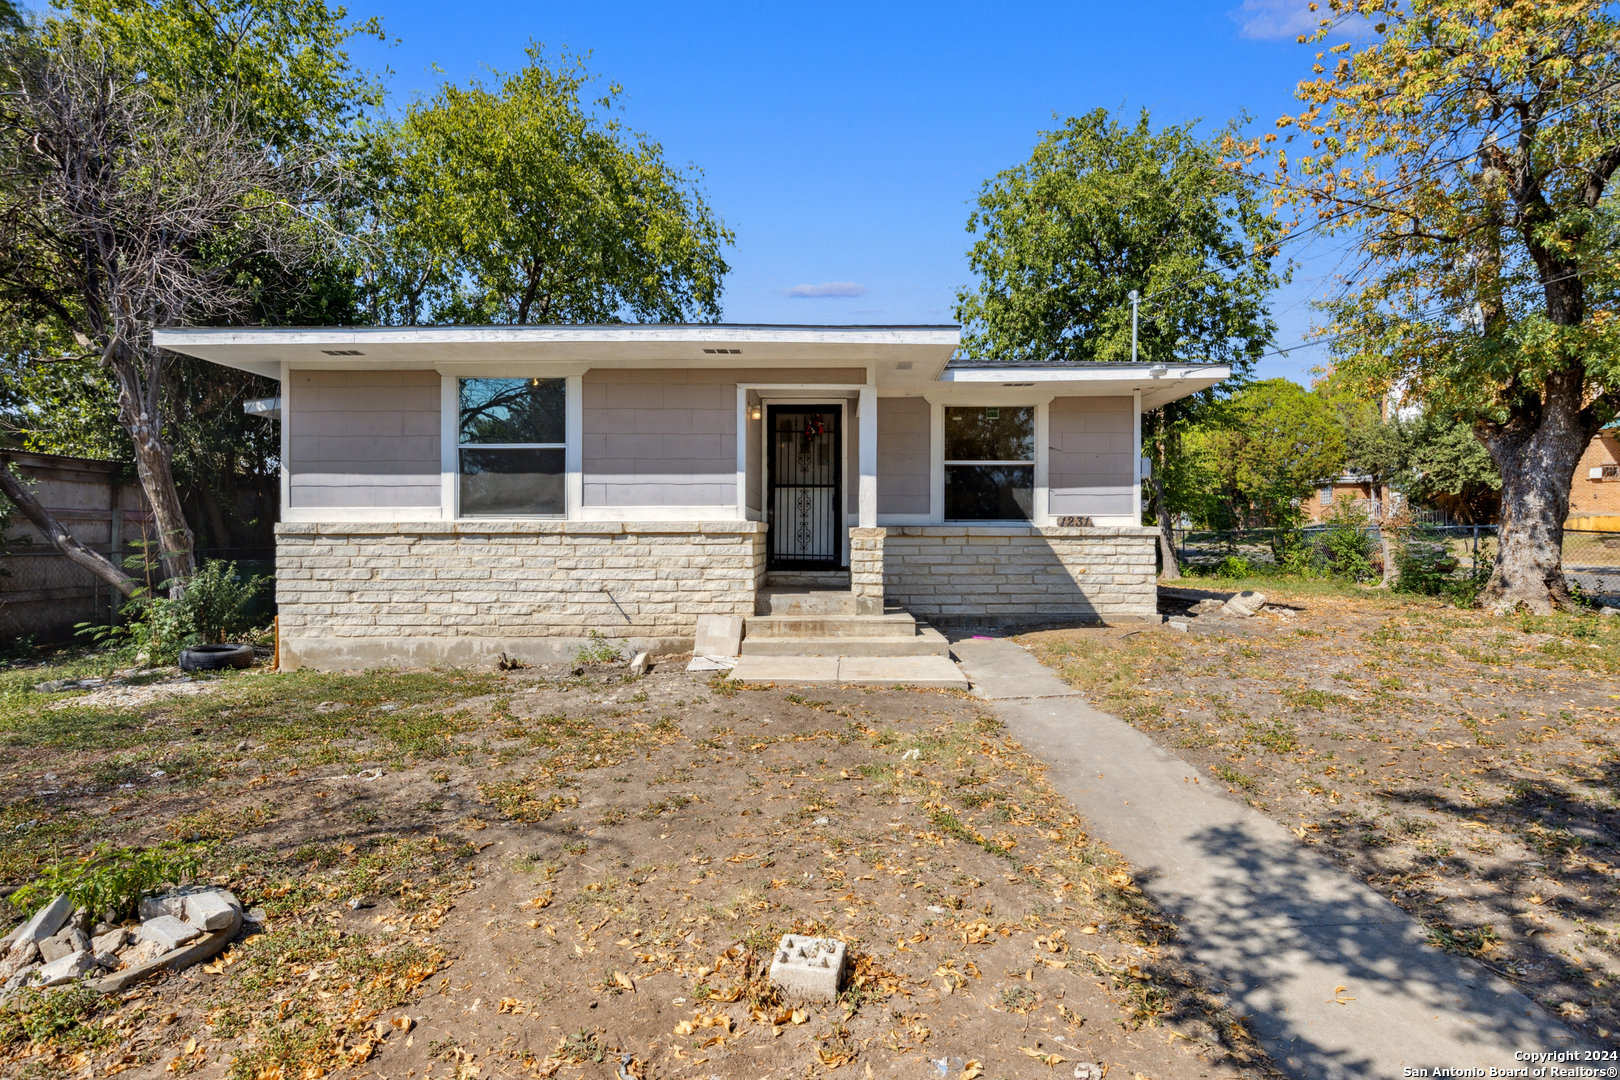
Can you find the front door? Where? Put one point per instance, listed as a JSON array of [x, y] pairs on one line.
[[806, 488]]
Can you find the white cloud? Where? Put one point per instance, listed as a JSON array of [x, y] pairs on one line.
[[827, 289], [1278, 20]]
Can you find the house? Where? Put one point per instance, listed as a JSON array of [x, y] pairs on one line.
[[1350, 488], [1594, 496], [450, 493]]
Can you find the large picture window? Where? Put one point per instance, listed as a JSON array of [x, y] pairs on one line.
[[989, 463], [513, 447]]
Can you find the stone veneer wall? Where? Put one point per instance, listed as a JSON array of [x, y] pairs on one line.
[[364, 594], [866, 569], [965, 574]]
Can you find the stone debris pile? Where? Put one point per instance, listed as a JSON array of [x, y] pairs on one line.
[[173, 931], [1244, 605]]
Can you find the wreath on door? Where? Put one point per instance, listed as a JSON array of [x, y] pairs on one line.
[[814, 426]]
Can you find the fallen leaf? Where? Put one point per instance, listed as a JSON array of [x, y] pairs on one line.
[[972, 1071], [620, 979]]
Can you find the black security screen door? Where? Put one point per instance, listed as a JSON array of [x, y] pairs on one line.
[[806, 488]]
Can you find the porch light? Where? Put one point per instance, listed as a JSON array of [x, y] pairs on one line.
[[754, 412]]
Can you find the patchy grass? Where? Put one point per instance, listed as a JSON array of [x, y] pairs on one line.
[[1464, 765], [535, 873]]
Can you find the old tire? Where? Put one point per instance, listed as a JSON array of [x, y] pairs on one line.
[[216, 657]]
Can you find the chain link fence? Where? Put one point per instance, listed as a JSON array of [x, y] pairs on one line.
[[46, 595], [1591, 559]]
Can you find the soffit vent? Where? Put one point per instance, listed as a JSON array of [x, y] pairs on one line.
[[343, 352], [904, 365], [733, 352]]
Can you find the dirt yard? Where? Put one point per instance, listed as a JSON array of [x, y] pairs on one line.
[[537, 873], [1463, 765]]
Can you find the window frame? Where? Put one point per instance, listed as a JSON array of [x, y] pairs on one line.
[[451, 446], [1034, 464]]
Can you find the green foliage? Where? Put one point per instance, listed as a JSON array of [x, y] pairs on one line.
[[1233, 567], [111, 879], [216, 599], [58, 1017], [1426, 565], [1347, 545], [517, 204], [1098, 210], [1450, 469], [1101, 209], [281, 66], [215, 604], [1263, 451], [598, 650]]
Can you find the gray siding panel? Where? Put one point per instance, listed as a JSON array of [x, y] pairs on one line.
[[668, 437], [1091, 469], [660, 438], [904, 475], [363, 438]]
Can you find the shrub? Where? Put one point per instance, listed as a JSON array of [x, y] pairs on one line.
[[1425, 565], [110, 879], [214, 602], [1234, 566], [1346, 544]]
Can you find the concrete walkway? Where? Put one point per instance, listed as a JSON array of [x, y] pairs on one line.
[[1337, 981]]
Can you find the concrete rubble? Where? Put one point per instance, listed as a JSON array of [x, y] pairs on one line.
[[172, 931]]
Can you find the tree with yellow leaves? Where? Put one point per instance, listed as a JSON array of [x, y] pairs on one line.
[[1468, 146]]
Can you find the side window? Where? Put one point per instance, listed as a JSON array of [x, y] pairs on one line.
[[512, 452]]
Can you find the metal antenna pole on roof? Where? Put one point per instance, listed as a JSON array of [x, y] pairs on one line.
[[1136, 299]]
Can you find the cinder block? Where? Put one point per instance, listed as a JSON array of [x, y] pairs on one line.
[[809, 968]]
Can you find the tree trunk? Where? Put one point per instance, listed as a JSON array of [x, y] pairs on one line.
[[1167, 536], [1536, 451], [62, 540], [139, 412], [1384, 553]]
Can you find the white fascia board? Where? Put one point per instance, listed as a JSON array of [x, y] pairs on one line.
[[1175, 381], [635, 345], [1135, 374]]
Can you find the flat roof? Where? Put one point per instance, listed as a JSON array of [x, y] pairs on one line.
[[906, 359]]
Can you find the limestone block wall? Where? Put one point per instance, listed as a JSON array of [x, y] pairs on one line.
[[967, 574], [361, 594], [866, 569]]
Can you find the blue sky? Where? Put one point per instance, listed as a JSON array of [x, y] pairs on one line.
[[845, 143]]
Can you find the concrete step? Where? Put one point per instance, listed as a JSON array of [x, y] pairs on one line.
[[926, 642], [807, 579], [895, 624], [782, 600], [923, 672]]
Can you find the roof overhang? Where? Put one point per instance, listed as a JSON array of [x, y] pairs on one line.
[[907, 360], [262, 350], [1158, 384]]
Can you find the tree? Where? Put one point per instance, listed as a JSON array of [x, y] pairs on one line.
[[1469, 149], [518, 205], [1448, 468], [1267, 448], [122, 211], [1100, 210], [1377, 446], [273, 77]]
